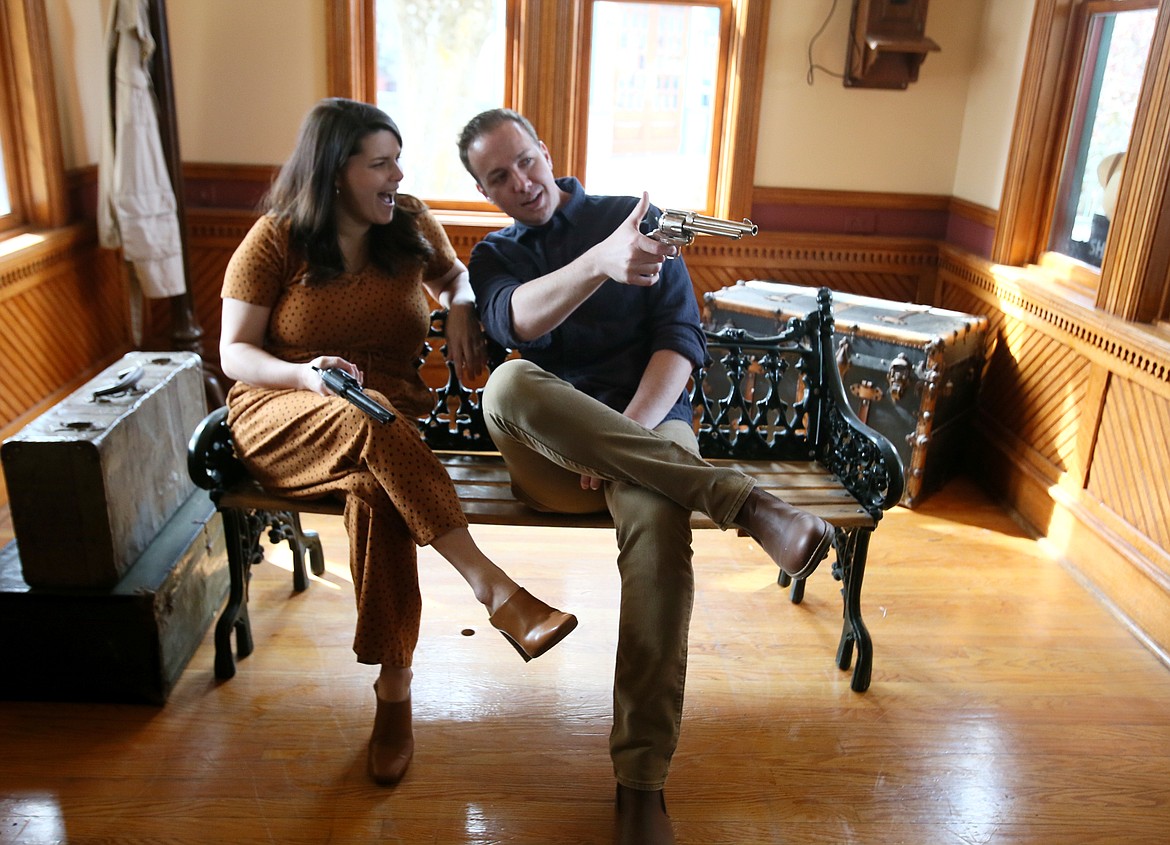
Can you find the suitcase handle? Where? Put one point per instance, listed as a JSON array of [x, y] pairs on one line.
[[127, 379]]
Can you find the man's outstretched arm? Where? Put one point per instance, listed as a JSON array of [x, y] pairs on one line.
[[627, 256]]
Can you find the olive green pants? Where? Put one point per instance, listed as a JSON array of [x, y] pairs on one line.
[[550, 434]]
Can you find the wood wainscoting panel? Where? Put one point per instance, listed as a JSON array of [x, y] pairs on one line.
[[62, 318], [1073, 419], [888, 268], [1033, 391], [901, 269], [851, 212], [213, 235], [1131, 463]]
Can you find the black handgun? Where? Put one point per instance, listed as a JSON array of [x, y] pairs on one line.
[[347, 387]]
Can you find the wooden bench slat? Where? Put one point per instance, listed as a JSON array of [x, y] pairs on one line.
[[249, 496], [490, 467], [484, 486], [801, 496], [501, 512]]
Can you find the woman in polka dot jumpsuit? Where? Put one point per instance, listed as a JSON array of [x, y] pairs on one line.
[[334, 276]]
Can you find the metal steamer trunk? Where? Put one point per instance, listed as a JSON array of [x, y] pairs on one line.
[[119, 563], [93, 479], [911, 372]]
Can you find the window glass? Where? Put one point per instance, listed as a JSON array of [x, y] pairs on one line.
[[653, 83], [438, 63], [5, 202], [7, 170], [1117, 47]]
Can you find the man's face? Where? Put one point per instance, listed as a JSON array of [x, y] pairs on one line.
[[514, 171]]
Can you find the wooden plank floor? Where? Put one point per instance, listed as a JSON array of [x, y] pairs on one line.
[[1007, 706]]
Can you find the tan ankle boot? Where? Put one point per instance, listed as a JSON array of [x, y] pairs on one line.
[[392, 741]]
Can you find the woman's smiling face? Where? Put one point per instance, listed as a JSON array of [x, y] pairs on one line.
[[369, 181]]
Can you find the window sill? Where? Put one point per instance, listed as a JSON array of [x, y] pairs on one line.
[[18, 241], [1071, 309], [23, 250], [489, 221], [1080, 280]]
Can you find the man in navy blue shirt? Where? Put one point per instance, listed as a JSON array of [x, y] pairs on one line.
[[595, 417]]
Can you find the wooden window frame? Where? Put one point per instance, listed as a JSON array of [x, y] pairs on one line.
[[36, 178], [9, 149], [1134, 281], [549, 56]]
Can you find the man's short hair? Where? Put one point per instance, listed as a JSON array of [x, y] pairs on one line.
[[485, 122]]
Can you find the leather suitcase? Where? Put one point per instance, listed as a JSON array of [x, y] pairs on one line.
[[128, 643], [910, 371], [93, 479]]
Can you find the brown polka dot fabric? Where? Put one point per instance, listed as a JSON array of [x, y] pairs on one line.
[[300, 444]]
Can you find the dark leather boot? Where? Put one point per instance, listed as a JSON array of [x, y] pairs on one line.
[[796, 540], [641, 818]]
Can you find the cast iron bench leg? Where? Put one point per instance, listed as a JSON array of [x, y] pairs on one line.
[[241, 538], [286, 526], [852, 549]]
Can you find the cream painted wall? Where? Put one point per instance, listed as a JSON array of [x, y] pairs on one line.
[[245, 74], [991, 102], [78, 44], [828, 136]]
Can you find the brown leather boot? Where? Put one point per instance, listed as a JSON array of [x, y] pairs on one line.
[[796, 540], [392, 741], [641, 818], [530, 625]]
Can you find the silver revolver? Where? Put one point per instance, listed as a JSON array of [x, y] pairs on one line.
[[680, 227]]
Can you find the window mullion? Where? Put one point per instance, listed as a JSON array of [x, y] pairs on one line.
[[741, 113], [1135, 274], [547, 82], [350, 49], [1036, 137]]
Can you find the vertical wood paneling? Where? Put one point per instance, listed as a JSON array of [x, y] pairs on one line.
[[57, 325], [1067, 389], [1131, 464], [207, 269], [212, 238], [1035, 388]]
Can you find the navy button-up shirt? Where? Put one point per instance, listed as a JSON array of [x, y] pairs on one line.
[[604, 346]]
